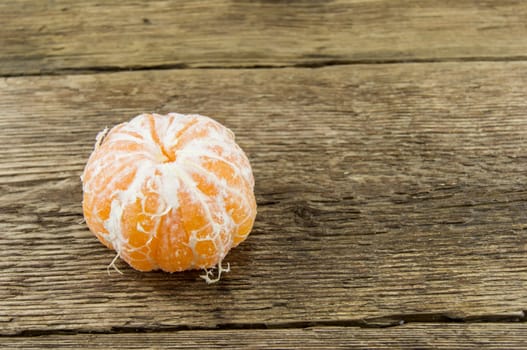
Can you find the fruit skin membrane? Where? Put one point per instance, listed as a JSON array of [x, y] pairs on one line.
[[171, 192]]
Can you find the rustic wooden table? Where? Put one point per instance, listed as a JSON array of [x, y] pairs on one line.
[[389, 145]]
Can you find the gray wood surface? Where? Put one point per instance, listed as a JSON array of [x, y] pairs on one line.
[[411, 336], [388, 143], [386, 193], [66, 36]]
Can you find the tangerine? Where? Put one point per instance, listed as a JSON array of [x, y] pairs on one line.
[[171, 192]]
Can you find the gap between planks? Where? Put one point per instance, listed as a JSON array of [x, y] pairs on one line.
[[377, 322], [308, 65], [414, 336]]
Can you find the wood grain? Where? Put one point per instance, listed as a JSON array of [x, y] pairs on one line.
[[386, 193], [411, 336], [60, 36]]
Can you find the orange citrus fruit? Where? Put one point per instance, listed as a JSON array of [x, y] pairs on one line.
[[171, 192]]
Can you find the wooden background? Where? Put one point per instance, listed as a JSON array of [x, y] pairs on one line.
[[389, 145]]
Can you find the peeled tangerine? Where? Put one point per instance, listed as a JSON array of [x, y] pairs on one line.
[[171, 192]]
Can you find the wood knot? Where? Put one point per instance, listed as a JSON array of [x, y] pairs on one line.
[[306, 214]]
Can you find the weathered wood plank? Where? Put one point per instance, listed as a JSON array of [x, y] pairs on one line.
[[383, 191], [411, 336], [51, 36]]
